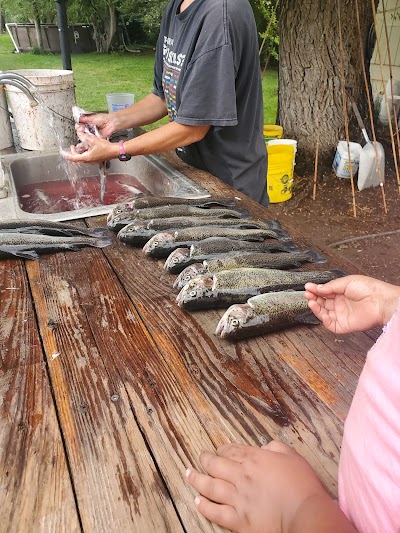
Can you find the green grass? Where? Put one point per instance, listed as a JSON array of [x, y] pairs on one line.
[[98, 74]]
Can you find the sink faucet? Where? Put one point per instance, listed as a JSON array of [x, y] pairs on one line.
[[22, 83]]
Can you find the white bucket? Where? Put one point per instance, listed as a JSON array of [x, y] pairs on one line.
[[341, 162], [48, 125], [6, 137], [117, 101]]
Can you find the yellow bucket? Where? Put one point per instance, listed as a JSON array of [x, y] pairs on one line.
[[281, 159], [272, 131]]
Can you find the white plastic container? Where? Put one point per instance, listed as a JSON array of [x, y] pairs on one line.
[[6, 137], [371, 171], [341, 162], [117, 101], [48, 125]]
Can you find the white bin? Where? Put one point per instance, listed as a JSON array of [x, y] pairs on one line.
[[48, 125], [341, 162]]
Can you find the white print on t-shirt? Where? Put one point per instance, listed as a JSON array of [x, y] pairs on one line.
[[171, 57]]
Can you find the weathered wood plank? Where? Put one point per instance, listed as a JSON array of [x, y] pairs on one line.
[[35, 487], [116, 482], [248, 400]]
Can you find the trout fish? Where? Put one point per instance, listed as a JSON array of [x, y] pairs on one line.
[[180, 258], [29, 246], [232, 286], [265, 313], [153, 201], [138, 232], [162, 244], [117, 222], [47, 227], [234, 260]]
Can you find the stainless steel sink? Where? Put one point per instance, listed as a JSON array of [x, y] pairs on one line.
[[36, 183]]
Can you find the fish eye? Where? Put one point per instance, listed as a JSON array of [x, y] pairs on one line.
[[175, 260], [187, 278], [192, 293], [234, 321], [155, 243]]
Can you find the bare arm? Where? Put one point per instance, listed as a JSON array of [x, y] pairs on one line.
[[148, 110], [162, 139]]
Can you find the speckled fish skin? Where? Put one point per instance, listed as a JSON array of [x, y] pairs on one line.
[[29, 246], [270, 279], [169, 211], [138, 232], [190, 272], [199, 294], [219, 245], [199, 234], [154, 201], [47, 227], [125, 217], [265, 313], [191, 222], [181, 258], [233, 260], [162, 244]]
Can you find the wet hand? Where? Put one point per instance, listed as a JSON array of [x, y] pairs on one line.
[[105, 123], [91, 149], [254, 490]]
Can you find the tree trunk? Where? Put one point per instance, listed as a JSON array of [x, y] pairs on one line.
[[2, 22], [311, 67], [104, 30], [38, 29]]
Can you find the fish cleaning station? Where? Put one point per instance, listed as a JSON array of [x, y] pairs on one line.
[[115, 375]]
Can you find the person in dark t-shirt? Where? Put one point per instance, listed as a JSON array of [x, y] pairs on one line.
[[207, 79]]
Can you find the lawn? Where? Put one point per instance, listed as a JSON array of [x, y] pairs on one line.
[[98, 74]]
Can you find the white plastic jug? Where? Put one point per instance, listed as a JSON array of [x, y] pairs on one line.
[[372, 166], [341, 163]]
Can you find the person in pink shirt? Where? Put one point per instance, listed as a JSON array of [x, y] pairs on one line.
[[273, 489]]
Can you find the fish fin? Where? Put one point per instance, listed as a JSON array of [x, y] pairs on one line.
[[23, 254], [307, 317], [102, 242]]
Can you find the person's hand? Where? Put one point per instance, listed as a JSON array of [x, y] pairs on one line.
[[106, 123], [263, 490], [91, 149], [352, 303]]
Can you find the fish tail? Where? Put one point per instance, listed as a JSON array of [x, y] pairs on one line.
[[339, 273], [315, 257], [102, 242], [282, 234], [274, 224]]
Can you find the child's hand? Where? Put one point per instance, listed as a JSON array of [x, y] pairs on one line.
[[262, 490], [352, 303]]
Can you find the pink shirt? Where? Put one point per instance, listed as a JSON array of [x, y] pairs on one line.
[[369, 469]]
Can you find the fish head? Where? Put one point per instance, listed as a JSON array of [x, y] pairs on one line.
[[192, 295], [130, 229], [234, 319], [176, 257], [118, 209], [188, 274], [157, 241]]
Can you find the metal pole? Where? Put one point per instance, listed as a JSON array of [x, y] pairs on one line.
[[62, 23]]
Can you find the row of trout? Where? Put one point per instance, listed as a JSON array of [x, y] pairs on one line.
[[224, 258]]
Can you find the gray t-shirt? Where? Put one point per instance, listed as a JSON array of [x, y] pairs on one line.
[[207, 70]]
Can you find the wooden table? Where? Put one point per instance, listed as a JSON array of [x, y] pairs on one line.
[[109, 391]]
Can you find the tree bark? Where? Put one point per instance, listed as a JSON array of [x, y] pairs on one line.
[[38, 29], [311, 67], [104, 30]]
